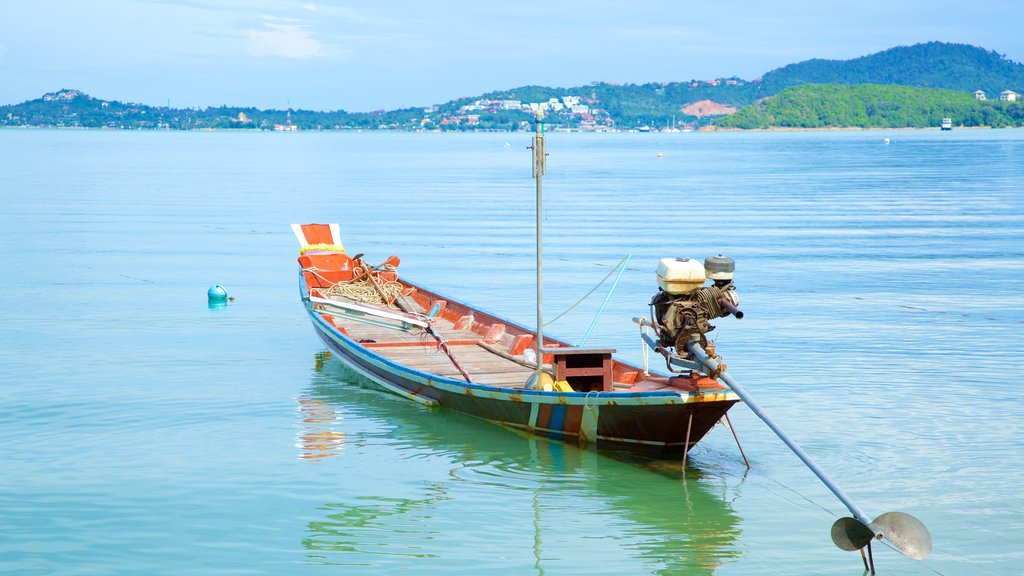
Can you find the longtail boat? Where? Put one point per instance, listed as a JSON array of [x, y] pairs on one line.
[[439, 351], [442, 352]]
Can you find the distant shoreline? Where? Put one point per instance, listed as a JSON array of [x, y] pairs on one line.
[[850, 129], [373, 131]]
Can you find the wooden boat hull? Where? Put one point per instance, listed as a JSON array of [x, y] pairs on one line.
[[669, 420]]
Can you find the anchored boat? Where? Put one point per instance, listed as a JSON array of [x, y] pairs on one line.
[[439, 351]]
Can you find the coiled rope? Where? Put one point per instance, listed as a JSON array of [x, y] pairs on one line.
[[362, 290]]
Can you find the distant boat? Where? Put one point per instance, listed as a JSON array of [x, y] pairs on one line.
[[947, 124]]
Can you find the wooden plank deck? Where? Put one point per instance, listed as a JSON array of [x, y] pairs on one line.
[[418, 350], [482, 366]]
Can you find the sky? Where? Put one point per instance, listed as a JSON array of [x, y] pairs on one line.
[[387, 54]]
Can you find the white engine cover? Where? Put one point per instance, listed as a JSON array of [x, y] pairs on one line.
[[680, 275]]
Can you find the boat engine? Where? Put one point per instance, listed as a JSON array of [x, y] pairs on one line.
[[684, 306]]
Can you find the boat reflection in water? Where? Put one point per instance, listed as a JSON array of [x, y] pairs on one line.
[[319, 439], [517, 501]]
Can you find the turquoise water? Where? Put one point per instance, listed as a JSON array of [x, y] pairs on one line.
[[142, 431]]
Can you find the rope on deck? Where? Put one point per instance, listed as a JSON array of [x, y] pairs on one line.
[[363, 291]]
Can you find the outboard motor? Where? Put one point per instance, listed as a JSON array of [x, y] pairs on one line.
[[684, 306]]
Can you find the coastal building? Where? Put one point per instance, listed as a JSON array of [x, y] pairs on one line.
[[570, 101], [979, 95], [1008, 96], [62, 95]]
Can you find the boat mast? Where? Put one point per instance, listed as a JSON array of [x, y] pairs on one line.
[[538, 173]]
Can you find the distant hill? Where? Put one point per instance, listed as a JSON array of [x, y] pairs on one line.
[[75, 109], [930, 65], [872, 106], [598, 106], [654, 104]]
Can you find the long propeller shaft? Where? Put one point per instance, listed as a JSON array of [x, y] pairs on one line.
[[907, 534], [699, 353]]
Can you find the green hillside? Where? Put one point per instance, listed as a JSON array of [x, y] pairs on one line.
[[872, 106], [930, 65], [604, 106], [72, 108]]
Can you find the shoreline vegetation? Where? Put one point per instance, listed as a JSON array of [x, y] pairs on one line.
[[873, 105], [706, 129], [904, 87], [853, 128]]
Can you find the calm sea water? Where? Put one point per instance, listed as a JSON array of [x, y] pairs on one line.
[[143, 432]]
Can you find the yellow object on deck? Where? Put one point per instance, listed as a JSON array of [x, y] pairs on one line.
[[547, 382], [321, 248], [562, 386]]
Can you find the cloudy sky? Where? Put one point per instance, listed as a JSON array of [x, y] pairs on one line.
[[361, 56]]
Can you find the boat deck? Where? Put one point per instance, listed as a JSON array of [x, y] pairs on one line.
[[419, 350], [487, 353]]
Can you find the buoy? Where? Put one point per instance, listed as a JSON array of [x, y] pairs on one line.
[[217, 292], [660, 155], [886, 141]]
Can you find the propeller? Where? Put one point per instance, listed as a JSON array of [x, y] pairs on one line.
[[850, 535], [905, 533]]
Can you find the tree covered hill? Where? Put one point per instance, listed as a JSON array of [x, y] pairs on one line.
[[601, 105], [73, 108], [929, 65], [872, 106]]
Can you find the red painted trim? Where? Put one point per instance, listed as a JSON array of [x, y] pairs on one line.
[[442, 306], [495, 332], [630, 377], [520, 344], [543, 415], [573, 419], [330, 320]]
